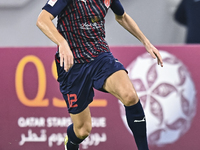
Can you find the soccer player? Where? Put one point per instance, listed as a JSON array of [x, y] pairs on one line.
[[84, 62]]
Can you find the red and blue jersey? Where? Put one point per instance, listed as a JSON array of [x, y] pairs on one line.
[[81, 23]]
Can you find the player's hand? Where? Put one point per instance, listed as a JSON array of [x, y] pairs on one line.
[[154, 53], [66, 57]]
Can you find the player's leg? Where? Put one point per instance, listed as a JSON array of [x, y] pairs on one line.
[[76, 87], [82, 123], [79, 130], [119, 85]]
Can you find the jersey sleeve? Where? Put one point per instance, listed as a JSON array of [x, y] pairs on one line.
[[117, 7], [54, 7]]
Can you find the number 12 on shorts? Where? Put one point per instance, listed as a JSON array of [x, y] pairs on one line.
[[72, 98]]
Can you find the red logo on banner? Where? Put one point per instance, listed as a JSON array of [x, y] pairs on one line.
[[107, 3]]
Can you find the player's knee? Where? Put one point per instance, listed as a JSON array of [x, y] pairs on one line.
[[130, 98], [84, 131]]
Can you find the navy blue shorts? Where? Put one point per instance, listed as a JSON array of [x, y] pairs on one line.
[[77, 84]]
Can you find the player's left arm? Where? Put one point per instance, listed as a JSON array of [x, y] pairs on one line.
[[130, 25]]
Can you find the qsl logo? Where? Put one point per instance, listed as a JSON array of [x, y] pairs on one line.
[[167, 94]]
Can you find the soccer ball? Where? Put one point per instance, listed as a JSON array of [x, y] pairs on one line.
[[167, 94]]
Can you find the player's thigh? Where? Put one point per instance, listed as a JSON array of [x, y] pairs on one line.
[[119, 85], [82, 122]]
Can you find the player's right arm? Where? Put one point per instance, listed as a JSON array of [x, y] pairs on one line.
[[45, 24]]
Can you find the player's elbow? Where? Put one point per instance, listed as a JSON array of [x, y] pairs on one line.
[[44, 18], [120, 18], [39, 22]]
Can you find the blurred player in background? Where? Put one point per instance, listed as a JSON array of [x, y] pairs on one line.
[[188, 14], [84, 62]]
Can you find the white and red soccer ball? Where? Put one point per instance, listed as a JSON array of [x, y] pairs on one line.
[[167, 94]]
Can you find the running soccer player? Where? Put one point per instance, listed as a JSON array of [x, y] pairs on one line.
[[84, 62]]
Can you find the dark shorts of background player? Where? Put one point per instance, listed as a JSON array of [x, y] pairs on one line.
[[77, 84]]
